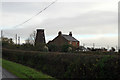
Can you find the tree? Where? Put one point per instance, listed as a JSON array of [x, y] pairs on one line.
[[52, 47], [41, 47], [66, 48], [31, 38], [112, 49], [27, 46], [7, 42]]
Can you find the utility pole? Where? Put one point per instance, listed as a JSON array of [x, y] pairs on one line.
[[93, 45], [1, 35], [116, 48], [16, 38], [108, 47]]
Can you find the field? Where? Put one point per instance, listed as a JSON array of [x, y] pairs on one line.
[[69, 65]]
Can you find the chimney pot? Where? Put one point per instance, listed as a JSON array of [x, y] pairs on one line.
[[70, 33], [59, 33]]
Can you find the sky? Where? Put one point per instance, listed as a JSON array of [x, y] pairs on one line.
[[91, 21]]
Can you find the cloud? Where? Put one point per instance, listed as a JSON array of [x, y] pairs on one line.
[[82, 18], [93, 22], [15, 13], [103, 41]]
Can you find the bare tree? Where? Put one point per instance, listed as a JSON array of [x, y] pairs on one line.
[[31, 38]]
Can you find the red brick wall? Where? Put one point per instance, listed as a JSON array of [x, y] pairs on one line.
[[78, 43], [59, 41], [73, 43]]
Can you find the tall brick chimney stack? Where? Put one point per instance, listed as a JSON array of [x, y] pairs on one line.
[[40, 37]]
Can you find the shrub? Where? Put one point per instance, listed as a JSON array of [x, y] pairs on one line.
[[67, 48], [40, 47], [61, 65], [52, 48]]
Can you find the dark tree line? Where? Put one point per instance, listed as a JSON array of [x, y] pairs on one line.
[[29, 45], [8, 43]]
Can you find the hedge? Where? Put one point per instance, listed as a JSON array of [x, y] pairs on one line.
[[68, 66]]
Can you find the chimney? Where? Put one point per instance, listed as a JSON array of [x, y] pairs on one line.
[[59, 33], [40, 37], [70, 33]]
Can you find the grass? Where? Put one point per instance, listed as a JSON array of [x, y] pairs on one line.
[[24, 72]]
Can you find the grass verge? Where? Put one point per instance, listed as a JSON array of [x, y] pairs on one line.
[[24, 72]]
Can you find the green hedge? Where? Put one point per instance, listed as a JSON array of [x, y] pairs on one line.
[[65, 65]]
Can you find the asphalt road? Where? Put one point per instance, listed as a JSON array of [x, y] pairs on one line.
[[6, 75]]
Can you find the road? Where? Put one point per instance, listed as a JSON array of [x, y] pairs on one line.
[[6, 75]]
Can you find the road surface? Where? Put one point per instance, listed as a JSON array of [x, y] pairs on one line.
[[6, 75]]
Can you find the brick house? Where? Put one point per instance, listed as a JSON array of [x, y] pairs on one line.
[[62, 39]]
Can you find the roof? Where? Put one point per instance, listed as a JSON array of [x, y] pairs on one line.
[[69, 38]]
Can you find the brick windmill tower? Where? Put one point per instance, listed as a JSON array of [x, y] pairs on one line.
[[40, 37]]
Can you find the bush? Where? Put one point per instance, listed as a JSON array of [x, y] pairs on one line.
[[67, 48], [61, 65], [40, 47], [52, 48]]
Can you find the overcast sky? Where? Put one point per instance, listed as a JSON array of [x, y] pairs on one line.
[[91, 21]]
